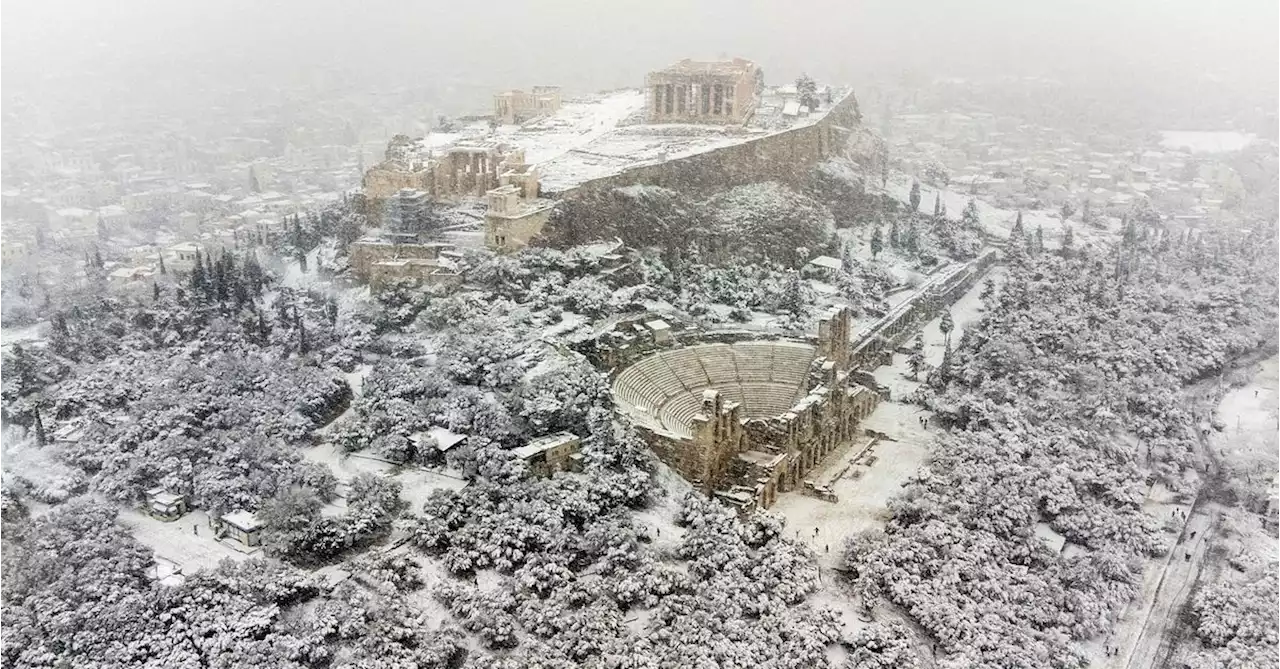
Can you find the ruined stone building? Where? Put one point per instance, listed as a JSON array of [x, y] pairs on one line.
[[703, 92], [379, 261], [516, 106], [748, 420], [467, 169]]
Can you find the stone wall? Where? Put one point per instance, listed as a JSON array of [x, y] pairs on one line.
[[364, 253], [785, 156]]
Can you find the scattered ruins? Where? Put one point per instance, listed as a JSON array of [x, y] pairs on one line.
[[381, 260], [517, 106], [698, 126]]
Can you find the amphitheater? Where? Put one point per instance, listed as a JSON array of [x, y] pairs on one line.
[[664, 392]]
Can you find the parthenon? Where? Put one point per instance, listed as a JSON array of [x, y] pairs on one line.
[[703, 92]]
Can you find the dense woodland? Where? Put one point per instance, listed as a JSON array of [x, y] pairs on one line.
[[1056, 403]]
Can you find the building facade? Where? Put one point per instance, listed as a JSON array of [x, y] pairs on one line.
[[703, 92], [516, 106]]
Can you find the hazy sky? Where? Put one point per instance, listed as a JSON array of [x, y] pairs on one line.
[[592, 44]]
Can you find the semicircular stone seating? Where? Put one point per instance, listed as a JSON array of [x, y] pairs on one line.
[[664, 390]]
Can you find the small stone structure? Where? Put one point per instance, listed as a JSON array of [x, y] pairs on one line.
[[165, 505], [551, 454], [381, 260], [516, 106], [243, 526], [703, 92], [512, 221]]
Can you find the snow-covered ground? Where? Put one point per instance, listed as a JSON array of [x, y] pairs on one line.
[[43, 467], [1252, 419], [1205, 141], [996, 221], [862, 500], [187, 542], [11, 336]]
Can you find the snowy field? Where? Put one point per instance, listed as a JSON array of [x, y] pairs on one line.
[[187, 542], [1250, 438], [995, 221], [1205, 142], [11, 336]]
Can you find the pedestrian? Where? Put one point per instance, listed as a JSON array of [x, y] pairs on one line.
[[659, 530], [815, 531], [196, 528], [1193, 535], [827, 548], [1187, 557]]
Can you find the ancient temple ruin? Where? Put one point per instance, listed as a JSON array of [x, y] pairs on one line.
[[703, 92]]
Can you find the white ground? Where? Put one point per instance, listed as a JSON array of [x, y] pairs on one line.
[[41, 466], [1169, 581], [996, 221], [11, 336], [178, 542], [862, 500], [1251, 416]]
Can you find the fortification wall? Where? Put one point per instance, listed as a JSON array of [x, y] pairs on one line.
[[784, 156]]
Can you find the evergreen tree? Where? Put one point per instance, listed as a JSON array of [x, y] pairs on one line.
[[937, 204], [302, 332], [877, 242], [794, 295], [1039, 242], [915, 196], [197, 275], [163, 270], [252, 271], [895, 235], [264, 329], [969, 219], [911, 239], [1017, 230], [283, 309], [1068, 241], [944, 370], [97, 258], [41, 438], [1017, 246], [331, 307], [807, 92], [916, 361], [946, 325], [155, 291], [1067, 210]]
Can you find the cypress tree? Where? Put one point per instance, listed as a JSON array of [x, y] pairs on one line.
[[41, 439], [302, 332]]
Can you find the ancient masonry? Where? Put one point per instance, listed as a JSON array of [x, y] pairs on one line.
[[704, 126], [746, 420]]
